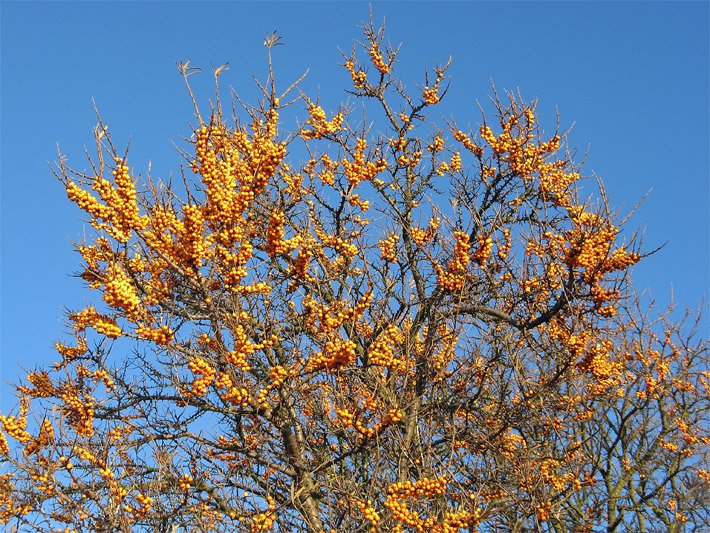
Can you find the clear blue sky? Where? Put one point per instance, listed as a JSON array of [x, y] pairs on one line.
[[632, 78]]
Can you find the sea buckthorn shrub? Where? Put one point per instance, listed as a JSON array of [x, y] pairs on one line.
[[346, 325]]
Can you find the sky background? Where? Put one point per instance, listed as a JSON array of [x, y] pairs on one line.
[[631, 77]]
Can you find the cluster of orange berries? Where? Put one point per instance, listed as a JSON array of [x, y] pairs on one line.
[[490, 495], [376, 57], [244, 348], [144, 505], [113, 228], [161, 336], [436, 145], [369, 513], [421, 236], [620, 259], [121, 210], [576, 344], [669, 446], [555, 182], [581, 217], [106, 473], [219, 165], [393, 416], [356, 201], [411, 160], [399, 144], [43, 384], [237, 396], [484, 249], [381, 351], [455, 163], [601, 295], [299, 269], [453, 278], [589, 249], [449, 281], [293, 182], [102, 375], [596, 361], [606, 373], [431, 94], [426, 487], [337, 354], [163, 222], [365, 431], [278, 375], [527, 158], [263, 395], [124, 203], [8, 508], [196, 246], [244, 198], [549, 471], [461, 251], [386, 247], [249, 160], [156, 290], [119, 432], [500, 144], [45, 437], [100, 251], [265, 157], [223, 381], [275, 243], [119, 492], [84, 454], [321, 126], [441, 359], [103, 325], [86, 201], [185, 482], [689, 436], [120, 293], [505, 247], [488, 172], [543, 511], [345, 248], [264, 521], [359, 169], [206, 373], [333, 316], [442, 169], [16, 426], [359, 77], [467, 143], [43, 481], [328, 169], [233, 266], [253, 288], [80, 412], [345, 416]]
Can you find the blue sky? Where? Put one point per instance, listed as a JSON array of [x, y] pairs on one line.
[[632, 77]]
